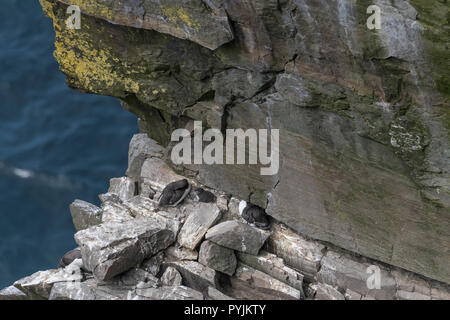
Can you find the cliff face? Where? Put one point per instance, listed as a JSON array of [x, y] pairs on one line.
[[363, 114]]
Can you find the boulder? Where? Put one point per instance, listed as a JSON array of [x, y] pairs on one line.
[[124, 187], [115, 212], [215, 294], [39, 285], [238, 236], [153, 264], [177, 253], [273, 266], [201, 217], [296, 251], [141, 148], [78, 291], [112, 248], [158, 173], [252, 284], [407, 295], [167, 293], [195, 275], [322, 291], [217, 257], [85, 214], [171, 277], [12, 293], [345, 272]]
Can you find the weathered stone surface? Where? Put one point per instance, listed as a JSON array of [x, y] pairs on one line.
[[407, 295], [12, 293], [238, 236], [109, 197], [215, 294], [168, 293], [202, 22], [370, 161], [115, 212], [78, 291], [195, 275], [296, 251], [217, 257], [179, 253], [409, 282], [339, 270], [85, 215], [124, 187], [352, 295], [171, 277], [39, 284], [249, 283], [133, 277], [273, 266], [322, 291], [158, 173], [153, 264], [112, 247], [440, 292], [202, 216], [141, 148]]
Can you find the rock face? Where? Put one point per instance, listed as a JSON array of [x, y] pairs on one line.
[[363, 114], [112, 248], [203, 216], [217, 257], [85, 215], [237, 236]]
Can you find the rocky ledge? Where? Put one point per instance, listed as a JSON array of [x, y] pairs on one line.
[[129, 249]]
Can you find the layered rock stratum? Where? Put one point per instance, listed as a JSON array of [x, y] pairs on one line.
[[364, 122]]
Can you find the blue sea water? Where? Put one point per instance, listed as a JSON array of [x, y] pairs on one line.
[[55, 144]]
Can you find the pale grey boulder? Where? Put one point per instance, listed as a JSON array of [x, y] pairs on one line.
[[124, 187], [296, 251], [177, 253], [273, 266], [167, 293], [115, 212], [109, 197], [238, 236], [322, 291], [343, 271], [217, 257], [85, 214], [12, 293], [202, 217], [214, 294], [112, 248], [252, 284], [195, 275], [407, 295], [141, 147], [171, 277], [78, 291], [39, 285]]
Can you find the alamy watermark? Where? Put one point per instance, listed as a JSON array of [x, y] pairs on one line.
[[234, 140], [374, 279], [374, 21], [74, 20]]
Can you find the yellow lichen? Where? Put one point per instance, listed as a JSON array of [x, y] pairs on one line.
[[179, 15]]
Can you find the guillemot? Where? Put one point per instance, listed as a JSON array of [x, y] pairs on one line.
[[69, 257], [203, 195], [254, 215], [174, 193]]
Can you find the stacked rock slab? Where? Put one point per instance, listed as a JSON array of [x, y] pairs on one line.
[[206, 251]]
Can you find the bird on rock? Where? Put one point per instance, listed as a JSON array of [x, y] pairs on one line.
[[174, 193], [203, 195], [254, 215], [69, 257]]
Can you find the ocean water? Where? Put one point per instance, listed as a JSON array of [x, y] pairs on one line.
[[55, 144]]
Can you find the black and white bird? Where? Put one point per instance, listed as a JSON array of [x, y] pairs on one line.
[[174, 193], [203, 195], [69, 257], [254, 215]]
